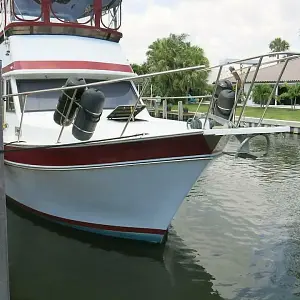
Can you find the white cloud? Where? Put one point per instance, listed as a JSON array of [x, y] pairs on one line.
[[231, 28]]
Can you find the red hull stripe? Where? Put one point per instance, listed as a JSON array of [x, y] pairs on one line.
[[69, 65], [91, 225], [190, 145]]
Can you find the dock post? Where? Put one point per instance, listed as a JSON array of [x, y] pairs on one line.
[[165, 109], [180, 111], [156, 110], [4, 277]]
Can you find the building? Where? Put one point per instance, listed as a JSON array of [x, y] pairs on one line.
[[270, 74]]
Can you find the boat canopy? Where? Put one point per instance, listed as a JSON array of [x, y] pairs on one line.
[[102, 15], [68, 9]]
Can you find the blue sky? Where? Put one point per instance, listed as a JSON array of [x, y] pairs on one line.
[[223, 28]]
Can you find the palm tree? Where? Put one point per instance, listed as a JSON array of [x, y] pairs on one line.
[[173, 52], [278, 45]]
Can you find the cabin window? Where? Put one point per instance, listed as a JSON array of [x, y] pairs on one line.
[[72, 11], [10, 106], [41, 101], [27, 10], [120, 93]]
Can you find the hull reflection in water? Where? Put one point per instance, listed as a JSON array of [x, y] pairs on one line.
[[51, 262]]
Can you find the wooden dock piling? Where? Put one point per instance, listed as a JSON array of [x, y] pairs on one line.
[[165, 109], [180, 111]]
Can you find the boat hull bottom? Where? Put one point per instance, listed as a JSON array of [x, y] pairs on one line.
[[122, 232]]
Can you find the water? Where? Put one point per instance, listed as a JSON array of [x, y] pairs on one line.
[[237, 236]]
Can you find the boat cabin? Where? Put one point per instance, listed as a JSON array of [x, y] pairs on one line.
[[45, 42]]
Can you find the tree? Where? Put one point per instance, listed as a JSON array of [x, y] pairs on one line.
[[140, 69], [175, 52], [278, 45], [292, 93], [261, 93]]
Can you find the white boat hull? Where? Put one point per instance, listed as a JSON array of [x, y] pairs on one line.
[[137, 200]]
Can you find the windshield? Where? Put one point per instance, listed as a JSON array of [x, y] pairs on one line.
[[120, 93], [27, 7], [75, 9]]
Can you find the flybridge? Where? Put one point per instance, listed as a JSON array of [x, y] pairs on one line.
[[91, 18]]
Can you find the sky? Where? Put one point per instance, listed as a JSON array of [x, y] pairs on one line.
[[223, 28]]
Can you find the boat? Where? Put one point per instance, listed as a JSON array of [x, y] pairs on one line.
[[80, 147]]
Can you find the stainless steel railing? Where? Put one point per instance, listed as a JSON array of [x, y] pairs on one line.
[[200, 68]]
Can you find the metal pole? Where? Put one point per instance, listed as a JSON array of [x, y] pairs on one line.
[[249, 91], [4, 277], [22, 116], [273, 92], [135, 106], [239, 95], [182, 97], [212, 101], [67, 115]]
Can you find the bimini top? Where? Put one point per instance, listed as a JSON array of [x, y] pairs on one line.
[[93, 18]]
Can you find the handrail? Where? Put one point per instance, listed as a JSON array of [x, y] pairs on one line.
[[202, 68], [22, 117], [213, 95], [273, 92], [249, 91], [134, 108], [180, 97], [67, 114], [241, 89], [129, 78]]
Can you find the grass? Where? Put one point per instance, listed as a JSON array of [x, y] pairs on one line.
[[286, 114]]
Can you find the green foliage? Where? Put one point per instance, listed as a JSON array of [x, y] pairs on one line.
[[209, 89], [169, 107], [261, 93], [170, 53], [292, 93], [278, 45], [140, 69]]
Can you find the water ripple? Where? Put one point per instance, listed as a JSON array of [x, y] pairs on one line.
[[243, 218]]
